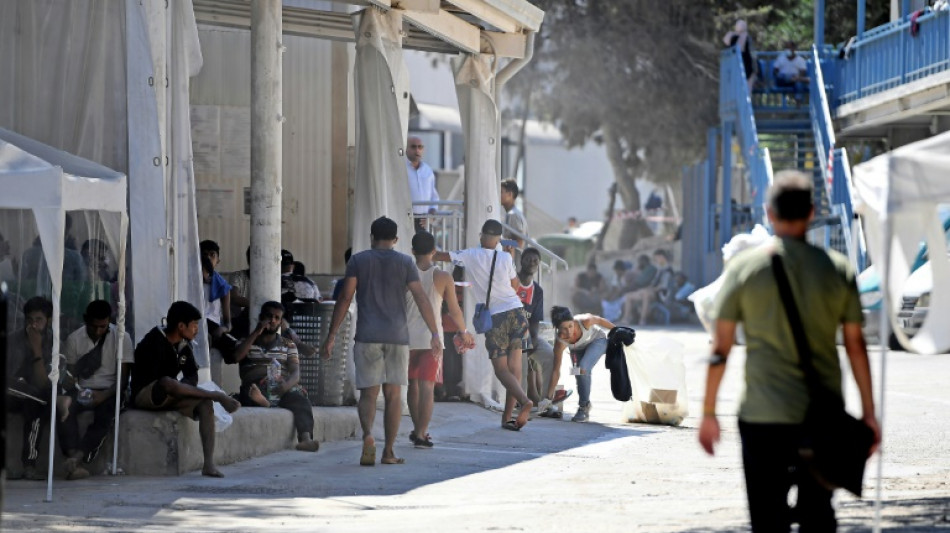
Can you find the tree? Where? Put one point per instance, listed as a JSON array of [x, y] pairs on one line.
[[641, 77]]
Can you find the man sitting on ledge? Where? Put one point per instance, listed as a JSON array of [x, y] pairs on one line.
[[159, 358], [266, 384]]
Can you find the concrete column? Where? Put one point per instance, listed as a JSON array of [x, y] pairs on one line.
[[266, 138]]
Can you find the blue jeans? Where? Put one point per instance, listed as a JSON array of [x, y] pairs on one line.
[[783, 81], [586, 359]]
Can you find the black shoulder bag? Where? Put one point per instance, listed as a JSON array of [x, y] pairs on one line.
[[835, 445], [87, 365]]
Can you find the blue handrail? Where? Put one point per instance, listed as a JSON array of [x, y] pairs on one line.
[[735, 104], [822, 126], [888, 56], [842, 194]]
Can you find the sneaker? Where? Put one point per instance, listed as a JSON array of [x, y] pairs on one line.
[[543, 405], [582, 414]]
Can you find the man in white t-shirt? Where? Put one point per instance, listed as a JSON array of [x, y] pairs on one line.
[[421, 182], [790, 69], [509, 332]]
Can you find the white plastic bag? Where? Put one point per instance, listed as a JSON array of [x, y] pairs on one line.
[[222, 418], [658, 378]]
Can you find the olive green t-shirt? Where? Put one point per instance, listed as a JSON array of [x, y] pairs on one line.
[[825, 291]]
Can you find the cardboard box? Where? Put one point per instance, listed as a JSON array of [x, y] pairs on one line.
[[650, 414], [662, 396]]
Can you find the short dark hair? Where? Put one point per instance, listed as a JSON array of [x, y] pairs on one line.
[[384, 229], [348, 254], [559, 315], [209, 246], [92, 244], [97, 310], [620, 264], [791, 196], [299, 269], [276, 306], [492, 228], [664, 253], [286, 258], [511, 186], [531, 250], [181, 313], [423, 243], [206, 263], [38, 303], [643, 260]]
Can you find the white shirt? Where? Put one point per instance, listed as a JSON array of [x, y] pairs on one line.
[[422, 186], [477, 263], [212, 310], [789, 67], [79, 344]]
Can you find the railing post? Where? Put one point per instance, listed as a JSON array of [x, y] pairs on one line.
[[725, 225], [861, 16], [819, 28]]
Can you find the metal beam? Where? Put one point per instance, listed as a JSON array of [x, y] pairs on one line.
[[448, 28]]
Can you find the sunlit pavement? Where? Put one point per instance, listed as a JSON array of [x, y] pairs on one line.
[[554, 475]]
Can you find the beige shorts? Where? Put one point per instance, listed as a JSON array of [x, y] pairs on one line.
[[185, 406], [377, 364]]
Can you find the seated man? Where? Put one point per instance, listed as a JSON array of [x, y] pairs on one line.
[[589, 289], [790, 70], [91, 353], [658, 290], [29, 361], [682, 308], [264, 385], [159, 358]]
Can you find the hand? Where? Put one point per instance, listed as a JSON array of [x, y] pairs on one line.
[[436, 345], [468, 340], [871, 422], [258, 329], [99, 396], [709, 434], [327, 349]]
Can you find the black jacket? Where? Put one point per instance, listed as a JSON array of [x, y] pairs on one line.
[[616, 361]]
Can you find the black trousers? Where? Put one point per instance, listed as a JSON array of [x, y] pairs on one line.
[[96, 433], [772, 466], [294, 401], [451, 367], [35, 419]]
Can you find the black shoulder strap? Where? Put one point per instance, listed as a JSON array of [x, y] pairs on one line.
[[491, 276], [795, 321]]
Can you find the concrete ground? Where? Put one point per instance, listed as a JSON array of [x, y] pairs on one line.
[[552, 476]]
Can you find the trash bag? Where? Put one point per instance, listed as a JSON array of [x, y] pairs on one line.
[[222, 418], [658, 380]]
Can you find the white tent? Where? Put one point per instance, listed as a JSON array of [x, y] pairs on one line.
[[49, 182], [897, 194]]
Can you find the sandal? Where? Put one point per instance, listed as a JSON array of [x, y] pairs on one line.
[[368, 458], [422, 443], [511, 425]]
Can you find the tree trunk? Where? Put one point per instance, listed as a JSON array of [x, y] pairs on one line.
[[635, 228]]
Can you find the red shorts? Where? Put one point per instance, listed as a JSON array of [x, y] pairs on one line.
[[422, 365]]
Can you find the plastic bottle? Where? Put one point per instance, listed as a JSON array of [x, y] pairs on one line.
[[85, 397], [273, 379]]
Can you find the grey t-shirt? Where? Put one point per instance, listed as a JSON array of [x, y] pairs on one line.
[[381, 280]]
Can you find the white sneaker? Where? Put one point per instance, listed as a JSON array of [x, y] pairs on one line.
[[544, 404]]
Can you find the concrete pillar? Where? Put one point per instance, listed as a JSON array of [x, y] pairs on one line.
[[266, 138]]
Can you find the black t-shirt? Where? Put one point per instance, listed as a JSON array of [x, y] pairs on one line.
[[156, 358]]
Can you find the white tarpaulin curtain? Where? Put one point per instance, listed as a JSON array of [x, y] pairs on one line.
[[897, 194], [382, 107], [474, 83]]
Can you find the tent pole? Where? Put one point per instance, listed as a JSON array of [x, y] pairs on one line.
[[884, 335], [120, 328]]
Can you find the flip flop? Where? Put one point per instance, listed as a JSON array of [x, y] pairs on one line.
[[369, 455], [392, 461], [511, 425]]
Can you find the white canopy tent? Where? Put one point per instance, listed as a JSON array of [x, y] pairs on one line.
[[49, 182], [897, 195]]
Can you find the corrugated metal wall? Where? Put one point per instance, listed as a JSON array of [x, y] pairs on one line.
[[220, 99]]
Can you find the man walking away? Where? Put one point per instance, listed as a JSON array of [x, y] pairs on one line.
[[776, 395], [379, 278], [424, 368]]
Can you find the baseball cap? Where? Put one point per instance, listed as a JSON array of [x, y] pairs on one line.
[[286, 258], [491, 227]]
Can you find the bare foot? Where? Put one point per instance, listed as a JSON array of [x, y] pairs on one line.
[[211, 471], [229, 403], [368, 457], [391, 460], [256, 396], [525, 413]]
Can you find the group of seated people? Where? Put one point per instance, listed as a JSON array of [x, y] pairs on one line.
[[636, 291], [93, 367]]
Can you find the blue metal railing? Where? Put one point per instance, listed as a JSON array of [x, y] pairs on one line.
[[822, 126], [888, 56], [842, 194], [735, 104]]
